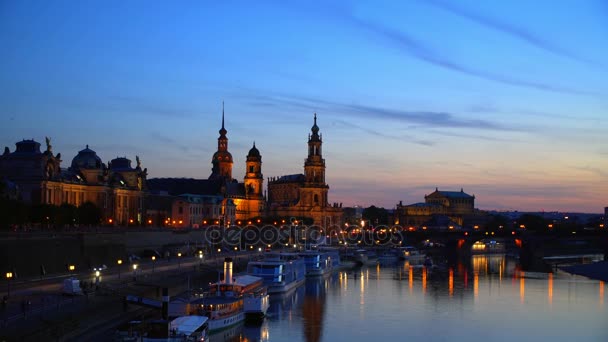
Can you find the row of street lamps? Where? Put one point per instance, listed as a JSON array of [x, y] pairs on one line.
[[97, 272]]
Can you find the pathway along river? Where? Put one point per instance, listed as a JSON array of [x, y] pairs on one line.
[[489, 299]]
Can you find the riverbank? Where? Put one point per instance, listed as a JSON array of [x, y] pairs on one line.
[[86, 318], [597, 270]]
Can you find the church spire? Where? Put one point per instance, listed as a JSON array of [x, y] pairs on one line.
[[223, 130], [315, 130]]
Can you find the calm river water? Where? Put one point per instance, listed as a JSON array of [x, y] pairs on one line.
[[486, 300]]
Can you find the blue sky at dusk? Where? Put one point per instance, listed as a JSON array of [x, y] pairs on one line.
[[508, 100]]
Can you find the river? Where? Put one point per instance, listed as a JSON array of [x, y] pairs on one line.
[[486, 299]]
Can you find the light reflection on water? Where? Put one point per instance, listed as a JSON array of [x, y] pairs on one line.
[[491, 299]]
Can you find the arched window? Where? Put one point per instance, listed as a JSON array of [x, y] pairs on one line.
[[316, 199]]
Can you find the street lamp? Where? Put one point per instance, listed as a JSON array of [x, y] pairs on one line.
[[97, 274], [119, 262], [153, 262], [200, 258], [9, 276], [179, 259], [134, 271]]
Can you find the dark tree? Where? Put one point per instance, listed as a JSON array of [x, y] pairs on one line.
[[43, 214], [533, 222], [496, 222], [67, 214], [89, 214], [375, 215]]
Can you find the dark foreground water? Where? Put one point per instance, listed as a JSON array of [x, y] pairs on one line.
[[488, 299]]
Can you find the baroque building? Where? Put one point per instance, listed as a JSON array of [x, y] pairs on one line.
[[305, 195], [456, 206], [117, 188], [246, 197]]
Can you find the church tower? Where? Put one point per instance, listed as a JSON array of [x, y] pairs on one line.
[[254, 180], [222, 159], [314, 170]]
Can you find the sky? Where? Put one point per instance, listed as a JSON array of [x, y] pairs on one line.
[[507, 100]]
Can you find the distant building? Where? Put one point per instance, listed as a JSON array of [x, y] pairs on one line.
[[117, 189], [353, 215], [191, 210], [246, 196], [305, 195], [440, 208]]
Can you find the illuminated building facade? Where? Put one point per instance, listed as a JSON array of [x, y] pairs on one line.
[[455, 205], [240, 200], [305, 195], [117, 189]]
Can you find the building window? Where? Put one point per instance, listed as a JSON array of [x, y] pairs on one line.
[[180, 210], [251, 169], [316, 198]]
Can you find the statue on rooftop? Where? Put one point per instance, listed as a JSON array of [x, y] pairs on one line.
[[48, 144]]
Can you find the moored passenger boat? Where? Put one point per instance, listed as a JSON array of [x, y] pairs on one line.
[[388, 256], [180, 329], [256, 299], [411, 254], [224, 302], [317, 263], [282, 272]]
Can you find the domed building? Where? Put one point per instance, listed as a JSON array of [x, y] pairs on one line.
[[117, 189]]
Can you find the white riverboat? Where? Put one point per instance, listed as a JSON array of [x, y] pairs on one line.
[[180, 329], [223, 304], [317, 263], [282, 272], [256, 298], [411, 254]]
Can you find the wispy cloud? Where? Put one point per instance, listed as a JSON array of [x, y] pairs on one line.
[[595, 170], [420, 118], [384, 135], [512, 30], [168, 141], [417, 49], [469, 136]]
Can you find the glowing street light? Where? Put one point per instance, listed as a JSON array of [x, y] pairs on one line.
[[71, 268], [153, 262], [9, 276], [119, 262], [179, 259], [134, 271]]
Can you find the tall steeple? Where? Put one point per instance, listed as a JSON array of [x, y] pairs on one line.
[[254, 180], [223, 130], [222, 159], [314, 166]]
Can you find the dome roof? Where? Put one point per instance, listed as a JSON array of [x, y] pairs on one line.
[[315, 128], [121, 163], [86, 159], [28, 147], [254, 152]]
